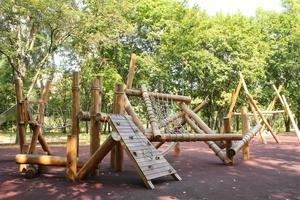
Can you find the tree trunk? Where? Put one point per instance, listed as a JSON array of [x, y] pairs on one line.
[[287, 122]]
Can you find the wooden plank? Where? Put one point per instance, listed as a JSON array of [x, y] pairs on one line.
[[290, 114]]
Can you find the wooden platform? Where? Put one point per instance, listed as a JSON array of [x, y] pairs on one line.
[[148, 161]]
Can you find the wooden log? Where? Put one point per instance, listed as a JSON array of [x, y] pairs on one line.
[[44, 160], [277, 91], [227, 130], [75, 107], [131, 72], [42, 102], [245, 130], [247, 137], [151, 113], [37, 135], [234, 97], [119, 108], [130, 111], [95, 108], [290, 114], [198, 136], [34, 138], [213, 146], [265, 113], [252, 106], [21, 126], [139, 93], [262, 117], [84, 115], [71, 164], [273, 102], [96, 158]]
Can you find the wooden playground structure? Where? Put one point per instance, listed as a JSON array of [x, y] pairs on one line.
[[130, 135]]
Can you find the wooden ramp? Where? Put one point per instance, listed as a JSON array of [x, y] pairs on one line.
[[148, 161]]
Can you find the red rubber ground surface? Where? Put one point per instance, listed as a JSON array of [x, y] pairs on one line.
[[272, 173]]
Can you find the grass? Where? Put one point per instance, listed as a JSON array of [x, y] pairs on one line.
[[51, 138]]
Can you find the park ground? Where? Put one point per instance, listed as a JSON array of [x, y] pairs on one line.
[[272, 173]]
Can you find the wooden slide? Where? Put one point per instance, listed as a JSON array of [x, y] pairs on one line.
[[149, 162]]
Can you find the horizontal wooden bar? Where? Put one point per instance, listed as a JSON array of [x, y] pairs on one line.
[[264, 112], [162, 96], [196, 137], [43, 160]]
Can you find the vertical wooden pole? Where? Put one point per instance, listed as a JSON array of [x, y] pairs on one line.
[[245, 129], [131, 71], [227, 129], [71, 157], [119, 108], [290, 114], [95, 108], [20, 113], [75, 108]]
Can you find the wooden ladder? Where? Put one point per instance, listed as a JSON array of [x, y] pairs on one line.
[[148, 161]]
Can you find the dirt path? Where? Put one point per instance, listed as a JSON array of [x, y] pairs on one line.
[[272, 173]]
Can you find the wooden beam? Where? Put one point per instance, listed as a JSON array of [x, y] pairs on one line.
[[247, 137], [151, 113], [245, 130], [235, 95], [252, 106], [250, 98], [213, 146], [290, 114], [227, 130], [198, 136], [95, 108], [93, 161], [139, 93], [75, 107], [21, 125], [131, 71], [71, 163], [119, 108], [43, 160]]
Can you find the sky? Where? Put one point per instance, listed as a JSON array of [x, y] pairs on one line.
[[246, 7]]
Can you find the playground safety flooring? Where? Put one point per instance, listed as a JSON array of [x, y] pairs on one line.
[[272, 173]]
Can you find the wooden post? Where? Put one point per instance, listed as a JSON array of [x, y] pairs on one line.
[[71, 157], [95, 108], [131, 72], [213, 146], [245, 130], [119, 108], [150, 111], [227, 129], [20, 112], [75, 108], [290, 114]]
